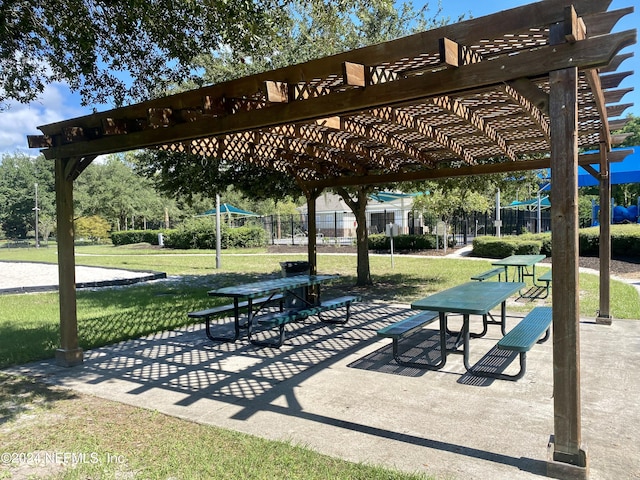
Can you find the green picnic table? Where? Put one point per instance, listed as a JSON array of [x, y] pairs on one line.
[[261, 289], [522, 264], [471, 298]]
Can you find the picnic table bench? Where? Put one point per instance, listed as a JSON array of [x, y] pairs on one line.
[[489, 274], [521, 339], [281, 319], [221, 310], [546, 277], [404, 328]]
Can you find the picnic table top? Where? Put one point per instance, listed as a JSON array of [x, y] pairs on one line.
[[520, 260], [265, 287], [474, 298]]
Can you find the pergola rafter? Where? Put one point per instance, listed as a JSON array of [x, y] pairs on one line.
[[522, 89]]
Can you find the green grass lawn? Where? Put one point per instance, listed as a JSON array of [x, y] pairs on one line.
[[29, 324], [121, 441]]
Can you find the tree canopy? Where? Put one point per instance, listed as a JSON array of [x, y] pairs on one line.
[[19, 175], [113, 51]]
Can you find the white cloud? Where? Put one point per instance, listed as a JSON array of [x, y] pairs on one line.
[[55, 104]]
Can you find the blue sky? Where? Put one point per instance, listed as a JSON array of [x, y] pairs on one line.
[[58, 103]]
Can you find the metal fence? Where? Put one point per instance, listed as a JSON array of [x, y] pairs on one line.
[[338, 228]]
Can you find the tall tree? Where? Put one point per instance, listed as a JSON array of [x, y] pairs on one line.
[[19, 175], [312, 29], [112, 51], [633, 129], [113, 191]]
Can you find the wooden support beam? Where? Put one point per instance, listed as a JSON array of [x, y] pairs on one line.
[[160, 117], [449, 52], [588, 53], [592, 171], [533, 101], [615, 63], [69, 353], [216, 106], [73, 134], [276, 92], [39, 141], [567, 444], [614, 96], [603, 23], [312, 252], [538, 97], [618, 124], [463, 112], [436, 173], [596, 89], [574, 27], [75, 166], [617, 110], [354, 74], [456, 55], [613, 80], [604, 312], [620, 138]]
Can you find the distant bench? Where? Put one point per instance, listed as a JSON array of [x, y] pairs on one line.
[[404, 328], [281, 319], [521, 339], [546, 277], [223, 310], [489, 274]]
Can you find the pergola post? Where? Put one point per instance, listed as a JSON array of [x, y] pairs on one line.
[[69, 353], [565, 453], [604, 316], [312, 195]]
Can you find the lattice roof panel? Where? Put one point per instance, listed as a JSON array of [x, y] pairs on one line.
[[472, 94]]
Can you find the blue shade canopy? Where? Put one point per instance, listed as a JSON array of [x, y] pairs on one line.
[[531, 204], [627, 171], [390, 196], [226, 209]]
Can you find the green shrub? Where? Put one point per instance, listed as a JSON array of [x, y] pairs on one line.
[[129, 237], [530, 247], [625, 241], [246, 237], [589, 241], [543, 239], [492, 247], [201, 233], [380, 242]]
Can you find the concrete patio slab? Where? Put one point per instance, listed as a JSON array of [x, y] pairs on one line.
[[337, 390]]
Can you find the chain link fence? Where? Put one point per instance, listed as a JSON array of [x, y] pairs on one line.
[[339, 228]]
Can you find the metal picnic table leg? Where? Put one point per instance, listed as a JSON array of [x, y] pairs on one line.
[[249, 317], [465, 342], [236, 325], [503, 318]]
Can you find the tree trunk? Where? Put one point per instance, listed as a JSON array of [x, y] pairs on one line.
[[359, 206], [362, 242]]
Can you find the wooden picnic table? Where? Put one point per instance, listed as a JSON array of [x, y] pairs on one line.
[[471, 298]]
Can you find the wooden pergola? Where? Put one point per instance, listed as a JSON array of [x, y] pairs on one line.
[[523, 89]]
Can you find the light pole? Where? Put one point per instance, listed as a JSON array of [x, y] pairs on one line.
[[36, 209]]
